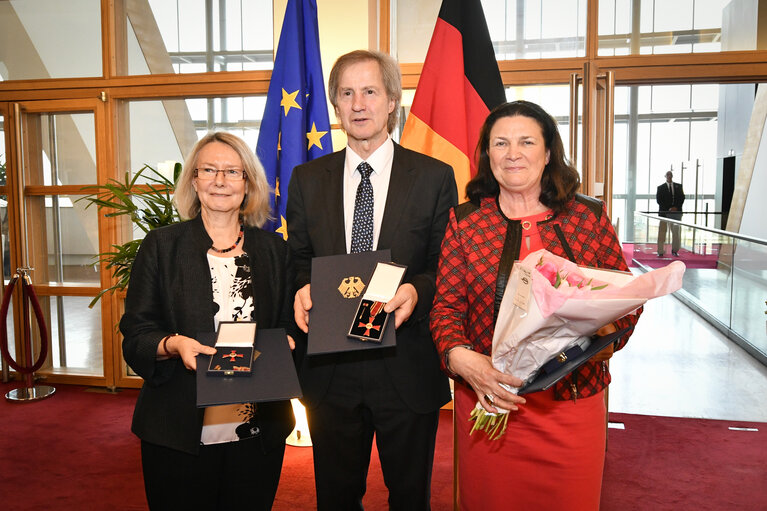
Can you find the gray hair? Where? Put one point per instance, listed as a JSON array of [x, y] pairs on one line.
[[392, 78], [255, 209]]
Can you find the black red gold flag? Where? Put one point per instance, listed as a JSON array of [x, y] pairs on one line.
[[460, 83]]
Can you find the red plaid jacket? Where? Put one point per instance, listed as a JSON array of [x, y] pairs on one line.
[[466, 279]]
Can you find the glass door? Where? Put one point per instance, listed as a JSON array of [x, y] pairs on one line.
[[591, 144], [59, 153], [5, 258], [696, 131]]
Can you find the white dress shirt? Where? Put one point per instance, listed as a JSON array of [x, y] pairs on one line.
[[380, 161]]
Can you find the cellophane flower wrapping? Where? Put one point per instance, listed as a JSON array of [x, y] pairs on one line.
[[550, 304]]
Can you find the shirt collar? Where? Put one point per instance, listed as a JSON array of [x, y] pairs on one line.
[[379, 160]]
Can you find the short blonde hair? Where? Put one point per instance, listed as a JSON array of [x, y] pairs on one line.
[[255, 209], [390, 73]]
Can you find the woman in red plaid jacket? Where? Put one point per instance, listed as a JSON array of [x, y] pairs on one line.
[[522, 199]]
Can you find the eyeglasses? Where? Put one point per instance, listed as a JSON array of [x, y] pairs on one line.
[[208, 174]]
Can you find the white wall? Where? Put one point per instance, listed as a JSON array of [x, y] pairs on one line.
[[755, 210], [67, 38]]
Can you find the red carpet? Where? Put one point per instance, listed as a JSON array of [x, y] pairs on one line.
[[647, 254], [75, 451], [297, 480], [661, 463], [628, 254]]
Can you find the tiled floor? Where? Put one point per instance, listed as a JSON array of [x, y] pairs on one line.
[[677, 365]]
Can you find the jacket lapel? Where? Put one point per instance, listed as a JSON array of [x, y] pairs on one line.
[[400, 186], [259, 279], [196, 275], [333, 186]]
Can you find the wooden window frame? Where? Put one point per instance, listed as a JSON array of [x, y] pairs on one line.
[[112, 91]]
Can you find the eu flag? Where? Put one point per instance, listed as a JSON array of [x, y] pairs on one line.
[[295, 127]]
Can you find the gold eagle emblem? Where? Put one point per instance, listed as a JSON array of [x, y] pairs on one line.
[[351, 287]]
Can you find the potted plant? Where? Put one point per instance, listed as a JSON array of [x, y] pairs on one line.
[[148, 205]]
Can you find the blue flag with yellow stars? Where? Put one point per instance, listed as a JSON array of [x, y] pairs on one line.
[[295, 127]]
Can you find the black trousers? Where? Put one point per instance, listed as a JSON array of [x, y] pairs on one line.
[[233, 475], [361, 401]]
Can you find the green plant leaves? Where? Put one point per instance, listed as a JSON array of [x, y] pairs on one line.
[[149, 205]]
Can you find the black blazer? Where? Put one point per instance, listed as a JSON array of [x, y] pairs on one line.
[[170, 291], [421, 192], [663, 198]]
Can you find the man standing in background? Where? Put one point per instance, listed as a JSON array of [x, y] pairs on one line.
[[670, 198]]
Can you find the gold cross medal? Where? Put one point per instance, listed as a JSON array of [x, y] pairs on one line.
[[370, 319], [234, 349]]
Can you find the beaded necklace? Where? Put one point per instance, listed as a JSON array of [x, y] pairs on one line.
[[225, 250]]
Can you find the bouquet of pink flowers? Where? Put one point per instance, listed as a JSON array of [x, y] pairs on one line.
[[551, 304]]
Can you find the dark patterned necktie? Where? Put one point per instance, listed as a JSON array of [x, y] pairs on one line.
[[362, 225]]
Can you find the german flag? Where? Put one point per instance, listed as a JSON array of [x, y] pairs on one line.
[[459, 85]]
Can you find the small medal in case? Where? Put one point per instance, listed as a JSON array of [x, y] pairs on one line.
[[370, 319], [234, 349]]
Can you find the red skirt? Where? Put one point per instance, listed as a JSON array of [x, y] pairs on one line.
[[551, 456]]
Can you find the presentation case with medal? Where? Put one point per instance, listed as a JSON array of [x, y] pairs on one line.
[[234, 345], [370, 321], [340, 285], [272, 375]]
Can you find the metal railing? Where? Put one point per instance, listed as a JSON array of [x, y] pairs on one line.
[[726, 277]]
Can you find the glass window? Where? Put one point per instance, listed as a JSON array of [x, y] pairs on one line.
[[3, 203], [50, 39], [555, 99], [11, 332], [748, 291], [642, 160], [62, 235], [72, 243], [683, 26], [2, 149], [670, 98], [197, 36], [705, 97], [668, 142], [620, 160], [158, 126], [163, 132], [413, 25], [75, 331], [5, 249], [688, 129], [151, 139], [519, 29], [67, 151]]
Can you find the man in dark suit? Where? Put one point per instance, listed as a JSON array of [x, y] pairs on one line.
[[372, 195], [670, 198]]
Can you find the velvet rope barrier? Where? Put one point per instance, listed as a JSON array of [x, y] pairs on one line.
[[28, 291]]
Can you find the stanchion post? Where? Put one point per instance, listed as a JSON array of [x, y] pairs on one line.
[[29, 392]]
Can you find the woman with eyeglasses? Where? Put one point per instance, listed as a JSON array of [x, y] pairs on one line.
[[218, 265]]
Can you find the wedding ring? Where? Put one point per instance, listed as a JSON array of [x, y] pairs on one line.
[[489, 398]]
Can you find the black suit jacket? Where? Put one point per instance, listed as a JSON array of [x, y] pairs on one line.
[[421, 192], [663, 198], [170, 291]]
